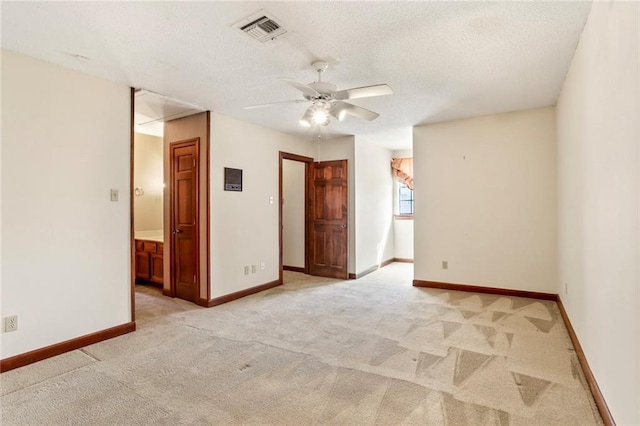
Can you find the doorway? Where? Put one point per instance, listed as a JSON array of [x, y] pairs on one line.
[[293, 239], [321, 250], [164, 263]]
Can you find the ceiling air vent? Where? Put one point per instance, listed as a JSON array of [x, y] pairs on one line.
[[261, 26]]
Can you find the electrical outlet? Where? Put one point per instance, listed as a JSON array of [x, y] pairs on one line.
[[262, 266], [445, 264], [253, 269], [11, 323], [246, 270]]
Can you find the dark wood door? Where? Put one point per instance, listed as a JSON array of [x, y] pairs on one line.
[[184, 219], [327, 224]]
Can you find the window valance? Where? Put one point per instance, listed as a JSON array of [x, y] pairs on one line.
[[403, 170]]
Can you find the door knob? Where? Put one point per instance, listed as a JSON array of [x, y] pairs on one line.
[[344, 226], [177, 231]]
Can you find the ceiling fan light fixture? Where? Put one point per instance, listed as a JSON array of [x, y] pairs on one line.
[[307, 118], [327, 102], [316, 114], [320, 117]]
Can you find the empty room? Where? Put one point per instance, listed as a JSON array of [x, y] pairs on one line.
[[327, 212]]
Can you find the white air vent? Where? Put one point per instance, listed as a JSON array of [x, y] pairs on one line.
[[261, 26]]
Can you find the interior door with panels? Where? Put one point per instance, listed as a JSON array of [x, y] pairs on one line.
[[184, 218], [327, 224]]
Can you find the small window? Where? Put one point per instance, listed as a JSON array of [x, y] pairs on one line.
[[405, 200]]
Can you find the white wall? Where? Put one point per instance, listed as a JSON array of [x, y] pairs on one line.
[[485, 201], [599, 202], [148, 175], [65, 245], [403, 238], [293, 215], [244, 225], [342, 149], [402, 228], [374, 205]]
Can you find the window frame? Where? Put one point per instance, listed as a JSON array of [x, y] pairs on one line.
[[404, 216]]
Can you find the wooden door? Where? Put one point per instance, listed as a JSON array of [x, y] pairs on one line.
[[328, 219], [184, 219]]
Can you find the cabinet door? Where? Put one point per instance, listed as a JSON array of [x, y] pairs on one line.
[[142, 266], [156, 268]]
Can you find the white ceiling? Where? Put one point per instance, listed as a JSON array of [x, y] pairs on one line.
[[152, 110], [444, 60]]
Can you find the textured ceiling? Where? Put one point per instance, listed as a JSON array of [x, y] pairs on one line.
[[444, 60]]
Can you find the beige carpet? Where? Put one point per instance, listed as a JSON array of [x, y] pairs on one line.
[[318, 351]]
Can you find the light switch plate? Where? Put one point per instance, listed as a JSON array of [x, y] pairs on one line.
[[115, 195]]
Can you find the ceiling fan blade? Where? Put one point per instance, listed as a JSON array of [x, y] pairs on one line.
[[360, 112], [339, 109], [309, 91], [294, 101], [364, 92]]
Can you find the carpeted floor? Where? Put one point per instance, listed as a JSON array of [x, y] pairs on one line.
[[318, 351]]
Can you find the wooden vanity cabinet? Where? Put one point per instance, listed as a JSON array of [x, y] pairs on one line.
[[149, 261], [157, 266]]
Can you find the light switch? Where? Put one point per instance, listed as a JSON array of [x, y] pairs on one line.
[[114, 195]]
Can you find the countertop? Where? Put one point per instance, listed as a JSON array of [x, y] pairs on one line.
[[155, 235]]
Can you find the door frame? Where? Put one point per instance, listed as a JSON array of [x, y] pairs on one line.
[[307, 170], [195, 142], [132, 233]]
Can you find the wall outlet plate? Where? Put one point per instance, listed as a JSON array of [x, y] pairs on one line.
[[246, 270], [445, 264], [10, 323]]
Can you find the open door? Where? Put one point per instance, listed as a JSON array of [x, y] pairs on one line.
[[327, 220]]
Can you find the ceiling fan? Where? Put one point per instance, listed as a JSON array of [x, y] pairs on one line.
[[328, 102]]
